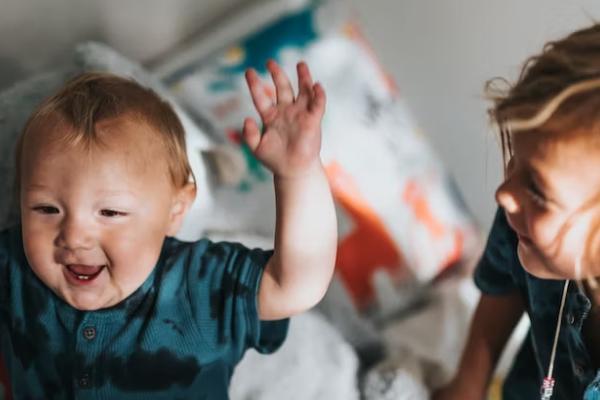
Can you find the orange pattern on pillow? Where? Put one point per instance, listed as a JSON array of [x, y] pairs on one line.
[[368, 247]]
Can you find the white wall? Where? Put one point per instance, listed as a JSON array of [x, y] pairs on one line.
[[38, 34], [441, 52]]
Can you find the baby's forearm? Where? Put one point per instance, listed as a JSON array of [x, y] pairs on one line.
[[305, 241]]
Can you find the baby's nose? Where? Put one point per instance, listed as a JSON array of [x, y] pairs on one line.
[[74, 235]]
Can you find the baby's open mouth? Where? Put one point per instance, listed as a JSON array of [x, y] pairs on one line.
[[84, 273]]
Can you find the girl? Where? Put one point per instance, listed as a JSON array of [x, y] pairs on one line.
[[542, 255]]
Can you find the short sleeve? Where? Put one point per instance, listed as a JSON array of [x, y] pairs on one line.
[[264, 336], [498, 269], [223, 283]]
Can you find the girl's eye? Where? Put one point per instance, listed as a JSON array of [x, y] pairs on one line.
[[536, 195], [112, 213], [46, 209]]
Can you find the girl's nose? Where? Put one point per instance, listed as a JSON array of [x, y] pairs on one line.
[[507, 198]]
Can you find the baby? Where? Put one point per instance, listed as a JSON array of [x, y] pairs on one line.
[[98, 300]]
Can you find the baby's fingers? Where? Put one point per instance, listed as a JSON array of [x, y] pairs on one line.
[[305, 82], [261, 99], [251, 134], [316, 105], [283, 87]]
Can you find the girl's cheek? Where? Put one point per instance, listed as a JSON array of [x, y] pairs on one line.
[[542, 231]]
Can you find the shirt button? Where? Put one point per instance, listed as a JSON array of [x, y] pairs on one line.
[[570, 319], [89, 333], [84, 381]]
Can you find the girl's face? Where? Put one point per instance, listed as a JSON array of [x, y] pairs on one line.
[[549, 179]]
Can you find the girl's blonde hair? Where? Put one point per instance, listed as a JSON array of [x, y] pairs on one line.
[[557, 89], [562, 83], [93, 97]]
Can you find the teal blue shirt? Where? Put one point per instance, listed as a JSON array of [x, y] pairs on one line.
[[179, 336], [500, 272]]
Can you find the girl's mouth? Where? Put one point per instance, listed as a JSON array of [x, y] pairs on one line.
[[83, 274]]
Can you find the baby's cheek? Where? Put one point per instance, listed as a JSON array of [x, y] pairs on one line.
[[35, 248], [131, 262]]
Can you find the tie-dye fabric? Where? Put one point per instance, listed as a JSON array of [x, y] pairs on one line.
[[500, 272], [593, 390], [179, 336]]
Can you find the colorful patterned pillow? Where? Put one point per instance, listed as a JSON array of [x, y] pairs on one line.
[[400, 218]]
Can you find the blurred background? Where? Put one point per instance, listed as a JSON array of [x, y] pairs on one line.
[[439, 52]]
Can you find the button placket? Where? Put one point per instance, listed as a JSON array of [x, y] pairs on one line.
[[87, 344]]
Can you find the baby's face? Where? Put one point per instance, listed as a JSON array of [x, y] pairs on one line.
[[94, 220]]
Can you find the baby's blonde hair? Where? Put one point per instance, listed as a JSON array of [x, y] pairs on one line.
[[93, 97], [558, 88]]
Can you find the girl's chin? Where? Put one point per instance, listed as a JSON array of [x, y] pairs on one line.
[[535, 265]]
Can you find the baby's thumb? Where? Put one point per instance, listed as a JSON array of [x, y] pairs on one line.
[[251, 134]]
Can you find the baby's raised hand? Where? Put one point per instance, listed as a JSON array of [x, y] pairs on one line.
[[291, 138]]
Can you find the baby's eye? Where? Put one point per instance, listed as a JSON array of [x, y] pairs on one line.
[[112, 213], [46, 209]]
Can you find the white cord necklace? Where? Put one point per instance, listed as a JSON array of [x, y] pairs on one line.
[[548, 383]]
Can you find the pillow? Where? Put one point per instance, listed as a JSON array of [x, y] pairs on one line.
[[400, 217], [19, 101]]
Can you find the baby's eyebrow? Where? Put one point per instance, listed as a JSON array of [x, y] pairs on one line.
[[115, 193], [37, 187]]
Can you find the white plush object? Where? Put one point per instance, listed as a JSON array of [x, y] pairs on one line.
[[388, 382], [314, 363]]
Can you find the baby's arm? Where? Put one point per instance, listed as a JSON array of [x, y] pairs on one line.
[[298, 274], [495, 318]]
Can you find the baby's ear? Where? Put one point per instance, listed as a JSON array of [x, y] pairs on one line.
[[184, 197]]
